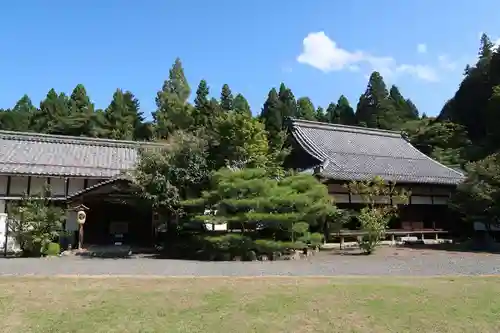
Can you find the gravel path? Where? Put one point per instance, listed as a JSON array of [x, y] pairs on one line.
[[386, 262]]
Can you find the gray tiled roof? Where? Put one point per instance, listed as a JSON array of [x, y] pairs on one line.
[[57, 155], [358, 153]]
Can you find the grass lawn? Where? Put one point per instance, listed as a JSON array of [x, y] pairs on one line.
[[364, 304]]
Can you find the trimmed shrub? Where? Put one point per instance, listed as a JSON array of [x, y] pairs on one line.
[[52, 249]]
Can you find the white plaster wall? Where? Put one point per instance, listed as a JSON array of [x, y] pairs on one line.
[[3, 186], [11, 244], [75, 185], [18, 185], [57, 186], [37, 185]]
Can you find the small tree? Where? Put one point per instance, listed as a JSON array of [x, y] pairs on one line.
[[379, 198], [176, 172], [34, 222]]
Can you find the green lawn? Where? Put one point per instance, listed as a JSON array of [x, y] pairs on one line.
[[365, 304]]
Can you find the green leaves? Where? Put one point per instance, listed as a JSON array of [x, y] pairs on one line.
[[35, 222], [250, 197], [179, 171]]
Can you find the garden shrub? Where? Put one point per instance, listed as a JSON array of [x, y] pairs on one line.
[[52, 249]]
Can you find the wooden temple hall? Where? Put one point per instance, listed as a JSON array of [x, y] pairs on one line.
[[89, 172], [338, 154], [78, 171]]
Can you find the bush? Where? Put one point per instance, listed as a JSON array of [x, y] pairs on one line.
[[52, 249]]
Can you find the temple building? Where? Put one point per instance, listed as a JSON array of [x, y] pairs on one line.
[[339, 154]]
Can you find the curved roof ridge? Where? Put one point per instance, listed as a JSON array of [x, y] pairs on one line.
[[356, 152], [345, 128], [309, 145], [67, 139]]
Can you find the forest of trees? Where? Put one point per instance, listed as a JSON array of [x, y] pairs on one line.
[[465, 130]]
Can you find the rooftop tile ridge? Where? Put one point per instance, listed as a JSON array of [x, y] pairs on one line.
[[58, 138], [345, 128]]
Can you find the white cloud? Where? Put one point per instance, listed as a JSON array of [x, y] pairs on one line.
[[445, 63], [320, 52], [422, 48]]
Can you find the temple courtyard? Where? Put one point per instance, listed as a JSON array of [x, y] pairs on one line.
[[394, 290]]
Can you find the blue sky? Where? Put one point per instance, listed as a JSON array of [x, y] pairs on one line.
[[320, 48]]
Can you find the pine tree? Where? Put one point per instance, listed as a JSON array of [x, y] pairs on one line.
[[173, 112], [240, 105], [226, 99], [305, 109]]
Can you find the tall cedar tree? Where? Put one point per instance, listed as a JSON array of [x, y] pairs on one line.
[[226, 99], [287, 102], [50, 116], [19, 118], [344, 112], [305, 109], [473, 105], [273, 120], [321, 115], [403, 110], [374, 108], [123, 120], [240, 105], [202, 113], [173, 112], [81, 119]]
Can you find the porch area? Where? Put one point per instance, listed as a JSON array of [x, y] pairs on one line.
[[115, 216]]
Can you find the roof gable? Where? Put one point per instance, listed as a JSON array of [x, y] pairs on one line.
[[357, 153], [57, 155]]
